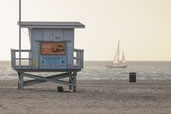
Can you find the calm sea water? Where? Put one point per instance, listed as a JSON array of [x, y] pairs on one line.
[[97, 71]]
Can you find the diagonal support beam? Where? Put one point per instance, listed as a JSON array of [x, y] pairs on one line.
[[46, 79], [55, 77]]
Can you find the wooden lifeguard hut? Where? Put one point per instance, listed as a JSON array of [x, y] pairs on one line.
[[52, 50]]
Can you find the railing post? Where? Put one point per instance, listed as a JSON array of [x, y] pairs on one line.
[[13, 56], [30, 59], [77, 57], [82, 58]]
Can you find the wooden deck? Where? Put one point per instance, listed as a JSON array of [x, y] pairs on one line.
[[46, 70]]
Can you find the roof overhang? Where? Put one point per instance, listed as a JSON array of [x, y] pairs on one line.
[[31, 24]]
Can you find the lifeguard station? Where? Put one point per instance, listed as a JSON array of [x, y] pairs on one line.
[[52, 50]]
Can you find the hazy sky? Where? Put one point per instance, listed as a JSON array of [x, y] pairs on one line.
[[142, 26]]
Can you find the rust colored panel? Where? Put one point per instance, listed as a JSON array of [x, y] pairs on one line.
[[52, 48]]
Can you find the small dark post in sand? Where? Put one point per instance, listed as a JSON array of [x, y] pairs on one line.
[[132, 77], [60, 89]]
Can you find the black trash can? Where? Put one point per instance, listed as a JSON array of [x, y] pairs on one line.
[[132, 77], [60, 89]]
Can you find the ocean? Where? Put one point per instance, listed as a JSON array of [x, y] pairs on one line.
[[96, 70]]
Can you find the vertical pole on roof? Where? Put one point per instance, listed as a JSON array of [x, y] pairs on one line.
[[19, 33]]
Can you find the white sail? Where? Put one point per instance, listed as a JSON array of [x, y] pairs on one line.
[[123, 60], [116, 58]]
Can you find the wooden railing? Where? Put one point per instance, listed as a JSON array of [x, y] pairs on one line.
[[26, 60], [78, 58]]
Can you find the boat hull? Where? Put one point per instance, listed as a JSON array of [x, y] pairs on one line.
[[116, 66]]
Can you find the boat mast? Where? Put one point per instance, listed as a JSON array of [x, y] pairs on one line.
[[19, 33], [118, 50]]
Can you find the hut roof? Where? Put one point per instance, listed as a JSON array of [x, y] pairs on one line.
[[34, 24]]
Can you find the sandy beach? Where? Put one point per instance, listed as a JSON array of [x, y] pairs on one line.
[[92, 97]]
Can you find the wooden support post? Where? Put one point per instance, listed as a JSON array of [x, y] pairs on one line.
[[74, 81], [70, 80], [20, 81]]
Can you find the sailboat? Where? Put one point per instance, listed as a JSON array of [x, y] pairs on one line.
[[117, 62]]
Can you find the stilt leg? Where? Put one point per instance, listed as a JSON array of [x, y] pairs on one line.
[[74, 81], [20, 81], [70, 81]]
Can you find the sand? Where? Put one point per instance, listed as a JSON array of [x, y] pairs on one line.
[[92, 97]]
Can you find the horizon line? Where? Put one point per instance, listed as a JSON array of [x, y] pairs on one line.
[[127, 60]]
